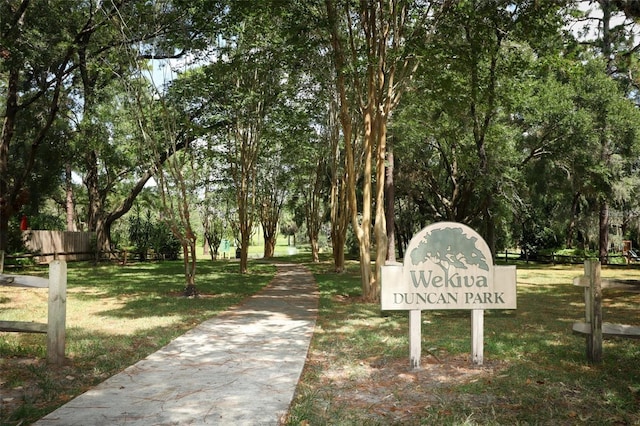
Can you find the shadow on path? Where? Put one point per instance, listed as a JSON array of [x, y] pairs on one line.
[[240, 367]]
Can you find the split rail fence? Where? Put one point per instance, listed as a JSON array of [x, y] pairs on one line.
[[593, 327], [56, 313]]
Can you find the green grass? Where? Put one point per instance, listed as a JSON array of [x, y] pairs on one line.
[[357, 371], [116, 315], [535, 369]]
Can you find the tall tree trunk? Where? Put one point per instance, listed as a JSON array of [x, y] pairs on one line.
[[339, 211], [270, 209], [94, 207], [70, 207], [339, 218], [380, 225], [245, 213], [361, 226], [7, 197], [314, 209], [571, 227], [605, 148], [189, 259], [269, 245], [389, 188], [244, 250], [604, 232], [339, 222], [270, 235], [312, 234], [482, 116]]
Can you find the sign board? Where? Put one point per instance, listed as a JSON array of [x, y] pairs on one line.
[[447, 266]]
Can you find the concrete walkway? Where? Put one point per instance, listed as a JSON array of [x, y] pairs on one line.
[[239, 368]]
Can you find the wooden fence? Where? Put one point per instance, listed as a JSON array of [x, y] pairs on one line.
[[57, 308], [66, 245], [552, 258], [593, 326]]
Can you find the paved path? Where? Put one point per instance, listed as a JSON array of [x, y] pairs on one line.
[[239, 368]]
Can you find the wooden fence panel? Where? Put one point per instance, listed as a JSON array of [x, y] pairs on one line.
[[64, 245]]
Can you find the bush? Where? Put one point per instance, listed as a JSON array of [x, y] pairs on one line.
[[164, 243], [140, 229], [146, 234]]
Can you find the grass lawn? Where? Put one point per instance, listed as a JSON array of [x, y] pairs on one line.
[[116, 315], [535, 369], [357, 372]]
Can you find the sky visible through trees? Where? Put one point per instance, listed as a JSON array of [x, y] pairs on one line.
[[519, 119]]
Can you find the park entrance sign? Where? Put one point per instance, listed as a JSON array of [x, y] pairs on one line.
[[447, 266]]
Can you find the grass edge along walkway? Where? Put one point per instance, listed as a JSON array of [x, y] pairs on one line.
[[214, 372]]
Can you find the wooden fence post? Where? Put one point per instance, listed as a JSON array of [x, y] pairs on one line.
[[593, 310], [56, 321]]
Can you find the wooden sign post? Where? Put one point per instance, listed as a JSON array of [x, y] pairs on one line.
[[447, 266]]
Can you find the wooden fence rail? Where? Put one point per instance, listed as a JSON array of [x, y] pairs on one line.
[[507, 256], [56, 314], [593, 327]]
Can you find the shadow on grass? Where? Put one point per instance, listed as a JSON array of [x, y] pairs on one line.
[[155, 289], [541, 375], [92, 357], [149, 313]]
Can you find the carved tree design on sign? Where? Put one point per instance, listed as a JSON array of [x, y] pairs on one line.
[[448, 247]]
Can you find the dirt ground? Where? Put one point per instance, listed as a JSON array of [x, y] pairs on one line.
[[394, 393], [32, 381]]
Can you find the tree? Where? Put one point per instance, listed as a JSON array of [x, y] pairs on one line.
[[109, 145], [461, 147], [305, 133], [61, 59], [211, 209], [375, 41], [37, 49], [160, 122], [273, 188], [609, 54], [177, 178], [339, 207], [242, 85]]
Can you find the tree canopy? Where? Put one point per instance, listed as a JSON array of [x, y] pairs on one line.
[[517, 119]]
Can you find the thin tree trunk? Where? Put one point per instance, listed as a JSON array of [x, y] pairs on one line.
[[338, 200], [8, 130], [244, 252], [389, 205], [269, 246], [604, 232], [70, 207], [361, 226], [380, 226], [571, 227], [339, 223]]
